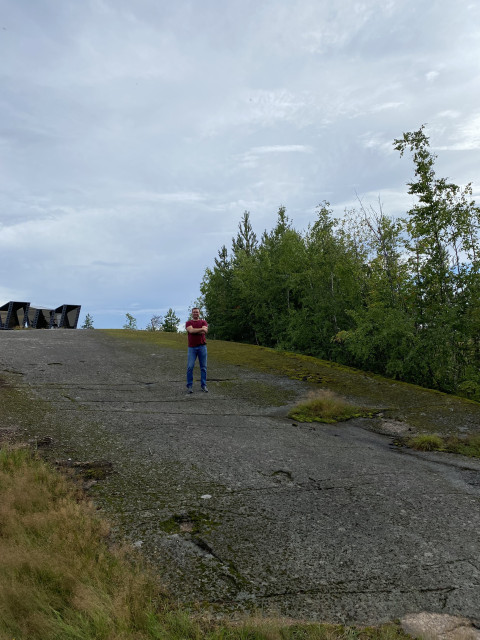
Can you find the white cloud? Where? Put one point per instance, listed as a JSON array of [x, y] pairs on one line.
[[151, 196], [386, 105], [377, 141], [283, 148], [465, 136], [431, 76], [259, 108], [449, 113], [250, 158]]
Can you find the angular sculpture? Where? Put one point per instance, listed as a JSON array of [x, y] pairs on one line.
[[13, 314], [39, 318], [68, 315], [21, 314]]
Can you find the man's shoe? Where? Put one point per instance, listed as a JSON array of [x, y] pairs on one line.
[[189, 390], [204, 389]]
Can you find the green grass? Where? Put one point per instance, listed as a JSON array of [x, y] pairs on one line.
[[466, 446], [426, 442], [60, 579], [326, 406]]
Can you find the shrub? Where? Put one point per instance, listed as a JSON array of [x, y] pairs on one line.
[[325, 406], [426, 442]]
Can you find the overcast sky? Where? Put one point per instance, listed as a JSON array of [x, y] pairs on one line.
[[133, 135]]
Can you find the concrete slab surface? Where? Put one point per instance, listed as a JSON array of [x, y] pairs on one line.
[[239, 506]]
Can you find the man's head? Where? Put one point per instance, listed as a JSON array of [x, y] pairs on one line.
[[195, 313]]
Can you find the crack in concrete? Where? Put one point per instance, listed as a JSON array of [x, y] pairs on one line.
[[240, 514], [329, 589], [160, 413], [229, 572], [298, 487], [108, 386], [86, 401]]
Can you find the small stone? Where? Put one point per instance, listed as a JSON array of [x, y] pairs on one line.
[[206, 496]]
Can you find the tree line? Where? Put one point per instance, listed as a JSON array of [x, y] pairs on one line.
[[168, 323], [398, 297]]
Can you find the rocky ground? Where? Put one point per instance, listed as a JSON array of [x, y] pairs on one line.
[[236, 504]]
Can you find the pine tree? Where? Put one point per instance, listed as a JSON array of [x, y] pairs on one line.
[[170, 322], [88, 323]]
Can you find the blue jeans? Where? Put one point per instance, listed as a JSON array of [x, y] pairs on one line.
[[193, 353]]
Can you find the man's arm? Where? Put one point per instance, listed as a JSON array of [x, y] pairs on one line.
[[203, 329]]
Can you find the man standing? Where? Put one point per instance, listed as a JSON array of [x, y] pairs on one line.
[[197, 330]]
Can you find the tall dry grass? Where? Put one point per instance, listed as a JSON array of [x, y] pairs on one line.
[[325, 406], [58, 577]]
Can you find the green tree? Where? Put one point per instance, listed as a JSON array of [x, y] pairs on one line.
[[88, 322], [331, 282], [216, 289], [131, 322], [245, 243], [276, 279], [383, 336], [170, 322], [243, 264], [444, 259], [400, 297]]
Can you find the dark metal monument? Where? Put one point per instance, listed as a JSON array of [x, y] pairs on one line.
[[21, 314], [40, 318], [13, 314], [67, 316]]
